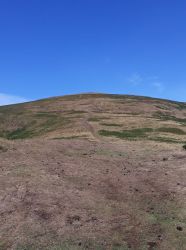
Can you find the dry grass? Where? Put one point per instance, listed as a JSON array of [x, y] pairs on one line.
[[96, 191]]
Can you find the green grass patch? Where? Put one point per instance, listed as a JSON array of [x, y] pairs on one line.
[[166, 117], [140, 133], [181, 105], [165, 139], [133, 133], [20, 133], [177, 131], [35, 127]]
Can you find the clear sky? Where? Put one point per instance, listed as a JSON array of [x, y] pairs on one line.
[[57, 47]]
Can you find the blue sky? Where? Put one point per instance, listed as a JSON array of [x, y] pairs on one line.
[[57, 47]]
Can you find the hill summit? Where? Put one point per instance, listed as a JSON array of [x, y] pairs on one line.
[[95, 116]]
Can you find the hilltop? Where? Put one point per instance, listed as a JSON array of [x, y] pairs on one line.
[[93, 171], [94, 116]]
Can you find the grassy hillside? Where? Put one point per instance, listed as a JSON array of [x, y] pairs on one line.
[[96, 115], [93, 171]]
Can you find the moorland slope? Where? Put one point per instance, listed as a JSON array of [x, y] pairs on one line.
[[93, 171]]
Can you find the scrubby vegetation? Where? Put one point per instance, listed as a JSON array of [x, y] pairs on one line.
[[133, 133], [167, 117], [145, 133], [30, 125], [20, 133]]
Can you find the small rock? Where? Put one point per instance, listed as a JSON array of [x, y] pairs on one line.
[[179, 228], [165, 159]]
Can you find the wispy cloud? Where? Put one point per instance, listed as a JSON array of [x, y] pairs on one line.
[[135, 79], [6, 99]]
